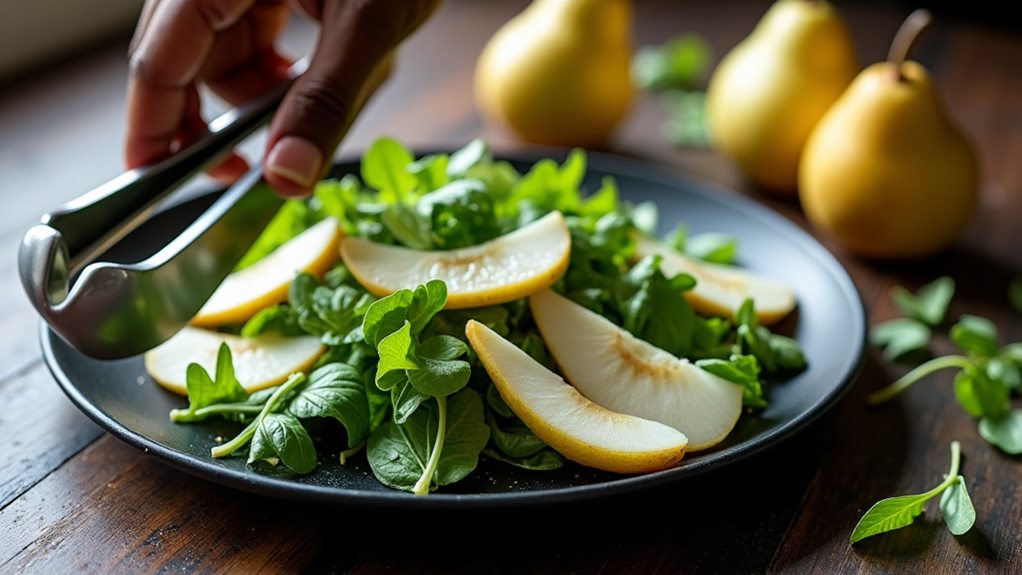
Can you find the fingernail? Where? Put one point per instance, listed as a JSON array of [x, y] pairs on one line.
[[295, 159]]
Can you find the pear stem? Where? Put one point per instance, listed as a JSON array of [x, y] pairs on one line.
[[911, 29]]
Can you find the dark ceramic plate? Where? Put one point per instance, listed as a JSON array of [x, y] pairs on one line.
[[829, 324]]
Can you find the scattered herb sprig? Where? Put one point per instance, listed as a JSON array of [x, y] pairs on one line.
[[675, 70], [897, 512]]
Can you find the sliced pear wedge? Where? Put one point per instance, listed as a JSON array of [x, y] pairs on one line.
[[558, 414], [625, 374], [721, 290], [507, 268], [242, 294], [259, 362]]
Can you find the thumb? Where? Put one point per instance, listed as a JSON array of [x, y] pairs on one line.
[[352, 58]]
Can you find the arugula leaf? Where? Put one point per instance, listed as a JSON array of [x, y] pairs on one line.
[[897, 512], [385, 316], [929, 304], [336, 391], [204, 390], [1005, 431], [655, 297], [427, 300], [900, 336], [713, 247], [385, 167], [740, 369], [755, 339], [459, 214], [604, 201], [281, 436], [956, 507], [975, 335], [439, 444], [678, 64]]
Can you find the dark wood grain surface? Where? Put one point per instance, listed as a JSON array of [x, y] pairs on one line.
[[74, 499]]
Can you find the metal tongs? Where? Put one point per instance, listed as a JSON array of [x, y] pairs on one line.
[[110, 310]]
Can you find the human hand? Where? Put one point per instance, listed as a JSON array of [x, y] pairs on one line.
[[229, 46]]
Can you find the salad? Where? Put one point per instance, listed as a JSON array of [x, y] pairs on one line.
[[452, 308]]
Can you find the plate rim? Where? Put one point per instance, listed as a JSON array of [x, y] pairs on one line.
[[253, 482]]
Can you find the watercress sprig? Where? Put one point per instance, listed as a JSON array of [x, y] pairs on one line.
[[897, 512]]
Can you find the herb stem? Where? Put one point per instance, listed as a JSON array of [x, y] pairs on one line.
[[184, 415], [422, 485], [930, 367], [269, 407], [952, 476], [351, 451]]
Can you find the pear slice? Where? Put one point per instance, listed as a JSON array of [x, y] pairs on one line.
[[622, 373], [721, 290], [507, 268], [242, 294], [557, 413], [259, 362]]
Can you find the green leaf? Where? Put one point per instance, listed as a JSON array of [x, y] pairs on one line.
[[686, 119], [396, 355], [788, 354], [463, 160], [336, 391], [545, 460], [385, 167], [431, 172], [459, 214], [204, 390], [1005, 370], [280, 319], [742, 370], [427, 301], [439, 373], [515, 441], [1005, 432], [755, 339], [408, 226], [496, 402], [657, 298], [713, 247], [385, 316], [405, 399], [679, 64], [1015, 294], [398, 454], [889, 514], [282, 436], [965, 393], [604, 201], [975, 335], [929, 305], [900, 336], [956, 507], [293, 218]]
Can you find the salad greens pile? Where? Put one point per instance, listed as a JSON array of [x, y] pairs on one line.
[[398, 376]]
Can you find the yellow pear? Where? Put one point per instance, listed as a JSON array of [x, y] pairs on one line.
[[768, 92], [886, 171], [558, 73]]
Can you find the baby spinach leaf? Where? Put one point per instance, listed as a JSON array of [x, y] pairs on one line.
[[405, 399], [956, 507], [336, 391], [281, 435], [929, 304], [515, 440], [427, 300], [437, 376], [385, 167], [900, 336], [975, 335], [1005, 431], [403, 456], [545, 460]]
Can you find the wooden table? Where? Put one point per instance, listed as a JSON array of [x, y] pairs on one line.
[[74, 499]]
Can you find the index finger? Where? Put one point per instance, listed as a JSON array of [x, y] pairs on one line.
[[168, 57]]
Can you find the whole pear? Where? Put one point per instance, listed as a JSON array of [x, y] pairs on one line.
[[558, 73], [885, 170], [768, 92]]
